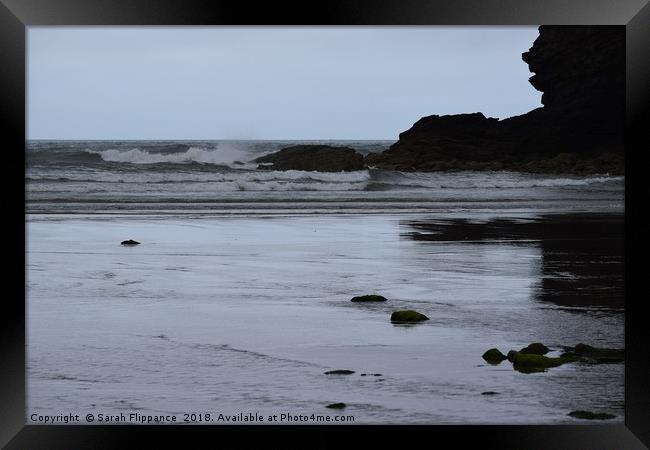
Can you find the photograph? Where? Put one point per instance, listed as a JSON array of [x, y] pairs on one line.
[[313, 225]]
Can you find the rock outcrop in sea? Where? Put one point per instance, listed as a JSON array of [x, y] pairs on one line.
[[579, 129], [323, 158]]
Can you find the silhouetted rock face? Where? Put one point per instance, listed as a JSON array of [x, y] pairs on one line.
[[575, 66], [436, 139], [324, 158], [581, 72]]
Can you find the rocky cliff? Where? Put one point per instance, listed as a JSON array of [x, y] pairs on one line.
[[579, 128]]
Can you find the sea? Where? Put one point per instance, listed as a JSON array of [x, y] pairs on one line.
[[236, 302]]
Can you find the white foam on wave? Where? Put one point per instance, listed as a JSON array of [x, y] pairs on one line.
[[291, 180], [487, 180], [189, 176], [575, 181], [285, 186], [222, 155]]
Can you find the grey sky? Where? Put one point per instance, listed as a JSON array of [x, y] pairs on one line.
[[269, 82]]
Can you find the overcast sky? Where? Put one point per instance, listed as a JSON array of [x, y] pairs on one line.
[[269, 82]]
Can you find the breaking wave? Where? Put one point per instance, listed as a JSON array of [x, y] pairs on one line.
[[219, 156]]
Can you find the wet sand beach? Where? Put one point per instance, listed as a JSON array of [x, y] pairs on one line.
[[239, 314]]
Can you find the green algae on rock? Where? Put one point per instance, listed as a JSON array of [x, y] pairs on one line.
[[527, 363], [369, 298], [407, 316], [494, 356]]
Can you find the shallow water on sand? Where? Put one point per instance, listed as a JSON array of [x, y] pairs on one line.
[[244, 315]]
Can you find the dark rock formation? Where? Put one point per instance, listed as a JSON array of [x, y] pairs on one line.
[[580, 128], [407, 316], [588, 415], [324, 158], [340, 372], [130, 242], [336, 405], [368, 299], [494, 356]]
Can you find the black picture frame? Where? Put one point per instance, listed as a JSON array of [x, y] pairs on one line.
[[16, 15]]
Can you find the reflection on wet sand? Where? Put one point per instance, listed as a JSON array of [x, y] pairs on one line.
[[582, 254]]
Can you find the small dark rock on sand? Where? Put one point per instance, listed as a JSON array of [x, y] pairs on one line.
[[336, 405], [407, 316], [588, 415], [369, 298], [130, 242], [340, 372], [494, 356]]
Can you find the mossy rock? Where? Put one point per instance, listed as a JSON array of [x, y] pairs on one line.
[[588, 415], [536, 348], [369, 298], [340, 372], [527, 363], [336, 405], [494, 356], [407, 316], [595, 355]]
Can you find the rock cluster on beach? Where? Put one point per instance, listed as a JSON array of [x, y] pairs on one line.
[[593, 355], [579, 129], [531, 359]]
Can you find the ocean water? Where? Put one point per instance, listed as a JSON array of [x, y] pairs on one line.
[[219, 177], [236, 302]]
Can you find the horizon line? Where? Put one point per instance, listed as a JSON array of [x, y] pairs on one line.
[[208, 139]]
